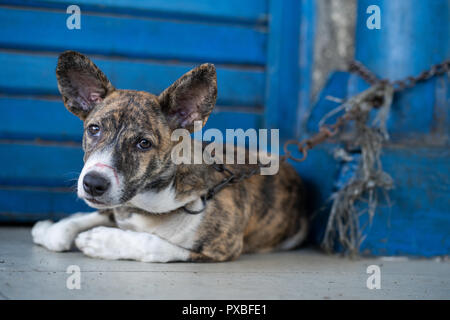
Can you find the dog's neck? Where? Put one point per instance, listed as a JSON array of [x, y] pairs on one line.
[[185, 188], [161, 201]]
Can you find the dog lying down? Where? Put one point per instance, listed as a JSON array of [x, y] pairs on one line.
[[145, 201]]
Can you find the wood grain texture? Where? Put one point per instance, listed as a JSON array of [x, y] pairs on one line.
[[282, 91], [230, 11], [42, 119], [415, 219], [25, 73], [29, 205], [132, 37]]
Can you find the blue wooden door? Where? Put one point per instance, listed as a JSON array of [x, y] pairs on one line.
[[142, 45]]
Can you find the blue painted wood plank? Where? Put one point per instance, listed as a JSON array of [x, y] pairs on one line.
[[29, 205], [223, 120], [233, 11], [417, 29], [418, 223], [40, 165], [318, 173], [143, 38], [282, 70], [336, 87], [27, 118], [35, 74], [420, 35], [30, 119], [306, 64]]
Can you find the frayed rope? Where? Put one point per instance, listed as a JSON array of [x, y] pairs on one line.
[[369, 179]]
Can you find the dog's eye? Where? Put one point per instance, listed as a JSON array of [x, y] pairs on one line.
[[94, 130], [144, 144]]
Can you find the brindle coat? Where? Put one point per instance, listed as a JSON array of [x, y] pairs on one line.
[[258, 214]]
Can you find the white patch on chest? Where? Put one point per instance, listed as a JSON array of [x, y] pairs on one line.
[[177, 228], [160, 201]]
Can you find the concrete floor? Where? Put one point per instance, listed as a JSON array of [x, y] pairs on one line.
[[31, 272]]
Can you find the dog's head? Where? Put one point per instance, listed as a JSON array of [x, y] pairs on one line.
[[127, 134]]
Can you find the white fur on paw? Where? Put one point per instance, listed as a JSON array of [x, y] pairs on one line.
[[53, 236], [38, 231], [103, 242]]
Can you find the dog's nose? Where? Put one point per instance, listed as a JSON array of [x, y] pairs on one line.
[[95, 184]]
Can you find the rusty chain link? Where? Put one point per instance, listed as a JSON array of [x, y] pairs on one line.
[[373, 95], [399, 85], [325, 132], [357, 67]]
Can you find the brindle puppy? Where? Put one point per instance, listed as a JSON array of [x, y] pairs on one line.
[[143, 198]]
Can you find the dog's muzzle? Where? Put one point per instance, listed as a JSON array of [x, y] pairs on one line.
[[95, 184]]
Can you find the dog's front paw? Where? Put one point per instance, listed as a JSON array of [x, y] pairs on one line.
[[53, 236], [102, 242]]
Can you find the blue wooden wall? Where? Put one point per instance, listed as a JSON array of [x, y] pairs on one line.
[[143, 45]]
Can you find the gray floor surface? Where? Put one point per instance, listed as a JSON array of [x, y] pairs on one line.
[[31, 272]]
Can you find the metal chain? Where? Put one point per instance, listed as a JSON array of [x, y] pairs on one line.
[[230, 179], [373, 95], [399, 85], [376, 101]]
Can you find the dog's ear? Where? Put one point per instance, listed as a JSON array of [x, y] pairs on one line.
[[191, 98], [81, 83]]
